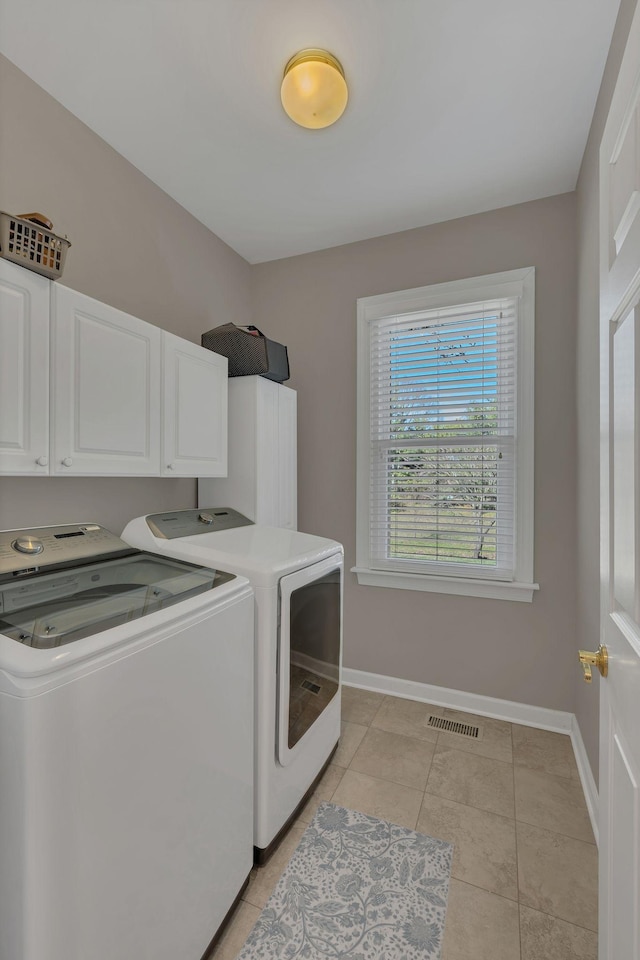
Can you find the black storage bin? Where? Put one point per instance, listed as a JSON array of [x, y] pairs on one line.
[[248, 353]]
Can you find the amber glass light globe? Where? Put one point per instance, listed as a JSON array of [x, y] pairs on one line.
[[314, 92]]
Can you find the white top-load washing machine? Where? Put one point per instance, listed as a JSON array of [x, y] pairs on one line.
[[297, 580], [126, 748]]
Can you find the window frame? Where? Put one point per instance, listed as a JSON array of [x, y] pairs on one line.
[[519, 284]]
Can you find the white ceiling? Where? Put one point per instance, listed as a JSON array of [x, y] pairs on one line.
[[456, 106]]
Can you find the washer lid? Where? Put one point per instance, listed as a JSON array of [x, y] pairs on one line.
[[51, 610]]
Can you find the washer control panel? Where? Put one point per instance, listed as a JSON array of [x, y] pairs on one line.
[[189, 523], [31, 550]]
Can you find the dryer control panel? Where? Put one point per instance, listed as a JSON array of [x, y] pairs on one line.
[[189, 523]]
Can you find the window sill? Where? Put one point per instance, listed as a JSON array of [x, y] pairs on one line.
[[491, 589]]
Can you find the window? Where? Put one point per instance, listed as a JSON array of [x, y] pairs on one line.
[[445, 437]]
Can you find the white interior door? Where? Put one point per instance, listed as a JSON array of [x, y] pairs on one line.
[[620, 527]]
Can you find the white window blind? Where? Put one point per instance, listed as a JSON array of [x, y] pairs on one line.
[[445, 495], [442, 484]]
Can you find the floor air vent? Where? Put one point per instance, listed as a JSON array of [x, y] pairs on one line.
[[454, 726], [311, 687]]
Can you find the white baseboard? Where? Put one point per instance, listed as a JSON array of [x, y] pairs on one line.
[[589, 787], [558, 721], [524, 713]]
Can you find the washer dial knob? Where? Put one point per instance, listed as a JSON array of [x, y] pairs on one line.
[[205, 518], [28, 545]]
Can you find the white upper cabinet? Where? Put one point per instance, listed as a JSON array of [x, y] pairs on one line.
[[24, 371], [87, 390], [106, 389], [194, 400], [262, 477]]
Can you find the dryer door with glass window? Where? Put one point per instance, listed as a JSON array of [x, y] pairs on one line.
[[309, 657]]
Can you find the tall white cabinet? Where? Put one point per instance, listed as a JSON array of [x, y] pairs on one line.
[[262, 449]]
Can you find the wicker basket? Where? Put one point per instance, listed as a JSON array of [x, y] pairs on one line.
[[32, 246]]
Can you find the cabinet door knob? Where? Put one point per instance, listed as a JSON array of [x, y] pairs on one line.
[[170, 466], [67, 462], [42, 461]]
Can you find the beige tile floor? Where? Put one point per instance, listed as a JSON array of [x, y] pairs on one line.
[[524, 876]]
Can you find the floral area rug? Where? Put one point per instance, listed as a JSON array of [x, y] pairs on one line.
[[356, 888]]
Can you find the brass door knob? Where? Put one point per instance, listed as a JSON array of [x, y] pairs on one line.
[[599, 659]]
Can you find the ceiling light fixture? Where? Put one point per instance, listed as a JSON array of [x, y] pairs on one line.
[[314, 91]]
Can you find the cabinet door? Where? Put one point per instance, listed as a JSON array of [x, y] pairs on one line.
[[287, 459], [106, 389], [276, 463], [24, 371], [194, 410], [267, 473]]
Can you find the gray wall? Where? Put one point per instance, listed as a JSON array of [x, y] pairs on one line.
[[587, 395], [133, 247], [516, 651]]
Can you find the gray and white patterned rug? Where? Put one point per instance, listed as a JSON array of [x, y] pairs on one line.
[[356, 888]]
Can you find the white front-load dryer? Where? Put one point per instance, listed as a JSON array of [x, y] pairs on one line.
[[297, 580]]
